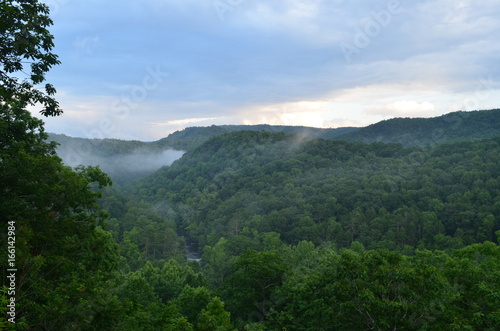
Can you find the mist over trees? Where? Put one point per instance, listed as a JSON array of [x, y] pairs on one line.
[[276, 215], [123, 161], [393, 226]]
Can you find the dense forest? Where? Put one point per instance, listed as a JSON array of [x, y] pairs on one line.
[[302, 233], [382, 195], [392, 226]]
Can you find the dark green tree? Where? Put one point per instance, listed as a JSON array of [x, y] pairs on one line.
[[365, 290], [26, 50], [249, 290], [214, 317], [65, 261]]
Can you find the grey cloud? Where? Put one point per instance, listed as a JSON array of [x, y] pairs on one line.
[[266, 51]]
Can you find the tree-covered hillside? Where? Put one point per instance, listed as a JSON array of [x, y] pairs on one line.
[[457, 126], [311, 234], [406, 131], [192, 137], [291, 226], [126, 161], [98, 147], [296, 231], [382, 195]]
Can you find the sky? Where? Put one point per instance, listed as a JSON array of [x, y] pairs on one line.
[[140, 70]]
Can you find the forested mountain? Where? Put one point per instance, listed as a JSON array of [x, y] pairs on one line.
[[310, 229], [457, 126], [382, 195], [128, 160], [192, 137], [406, 131], [98, 147], [298, 228], [293, 226]]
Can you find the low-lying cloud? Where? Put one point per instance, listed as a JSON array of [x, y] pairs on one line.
[[122, 167]]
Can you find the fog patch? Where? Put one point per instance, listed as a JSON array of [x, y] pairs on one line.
[[123, 167], [140, 161]]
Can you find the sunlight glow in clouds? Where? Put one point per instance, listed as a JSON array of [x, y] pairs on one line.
[[186, 121], [276, 62]]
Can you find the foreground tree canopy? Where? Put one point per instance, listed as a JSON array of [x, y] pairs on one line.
[[25, 50], [295, 233], [63, 256]]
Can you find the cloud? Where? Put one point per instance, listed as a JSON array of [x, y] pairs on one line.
[[186, 121], [276, 61], [137, 163], [405, 108], [304, 113]]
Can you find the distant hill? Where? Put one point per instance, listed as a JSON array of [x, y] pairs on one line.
[[125, 160], [380, 194], [456, 126], [192, 137], [99, 147]]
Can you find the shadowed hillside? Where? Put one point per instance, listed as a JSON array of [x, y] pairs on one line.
[[427, 131]]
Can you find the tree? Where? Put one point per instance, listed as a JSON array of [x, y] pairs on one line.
[[25, 49], [249, 289], [214, 317], [64, 260], [475, 271], [217, 262], [367, 290], [192, 300]]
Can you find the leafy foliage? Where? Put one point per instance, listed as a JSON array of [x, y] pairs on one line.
[[360, 290], [192, 137], [64, 259], [383, 195], [457, 126], [26, 46], [63, 256], [299, 232]]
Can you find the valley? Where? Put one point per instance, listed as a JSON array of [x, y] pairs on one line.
[[268, 208]]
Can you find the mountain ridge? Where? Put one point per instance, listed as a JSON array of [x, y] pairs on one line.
[[460, 125], [114, 155], [449, 127]]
